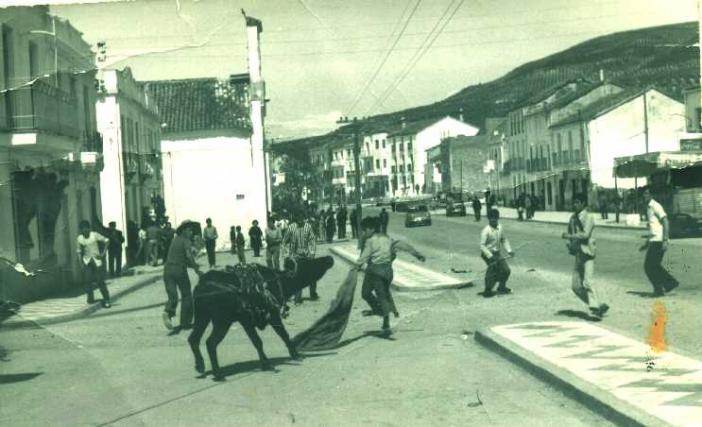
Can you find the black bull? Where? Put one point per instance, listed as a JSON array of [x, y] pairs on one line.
[[223, 308]]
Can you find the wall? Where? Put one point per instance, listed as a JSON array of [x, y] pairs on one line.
[[202, 178]]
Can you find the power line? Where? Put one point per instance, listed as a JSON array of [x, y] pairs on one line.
[[370, 81], [419, 54]]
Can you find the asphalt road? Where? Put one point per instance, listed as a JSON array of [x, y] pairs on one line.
[[120, 366]]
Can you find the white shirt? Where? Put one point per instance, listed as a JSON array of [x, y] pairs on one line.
[[492, 240], [89, 248], [656, 213]]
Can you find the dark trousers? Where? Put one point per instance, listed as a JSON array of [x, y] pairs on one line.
[[95, 276], [152, 252], [376, 288], [384, 228], [330, 234], [256, 246], [497, 272], [603, 212], [114, 260], [342, 229], [176, 279], [520, 214], [476, 212], [210, 247], [656, 273], [354, 234]]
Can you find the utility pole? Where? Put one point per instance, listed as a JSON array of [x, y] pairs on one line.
[[645, 118]]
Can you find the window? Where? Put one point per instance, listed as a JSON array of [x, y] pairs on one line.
[[402, 168], [33, 60], [377, 144], [383, 143], [348, 152], [409, 167], [409, 146], [393, 169], [385, 163], [377, 163]]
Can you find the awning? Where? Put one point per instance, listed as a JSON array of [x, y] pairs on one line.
[[646, 164]]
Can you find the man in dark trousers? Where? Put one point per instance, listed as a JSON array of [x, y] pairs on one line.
[[521, 201], [175, 277], [153, 234], [209, 234], [341, 217], [656, 246], [477, 207], [492, 244], [114, 249], [240, 245], [384, 220], [256, 238], [91, 255], [354, 223], [331, 225]]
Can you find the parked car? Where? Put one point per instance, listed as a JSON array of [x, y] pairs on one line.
[[402, 206], [417, 215], [455, 208]]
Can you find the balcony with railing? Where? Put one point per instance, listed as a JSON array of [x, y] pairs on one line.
[[39, 107]]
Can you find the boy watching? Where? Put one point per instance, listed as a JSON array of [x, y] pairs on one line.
[[492, 241]]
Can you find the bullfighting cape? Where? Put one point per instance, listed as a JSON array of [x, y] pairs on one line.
[[326, 332]]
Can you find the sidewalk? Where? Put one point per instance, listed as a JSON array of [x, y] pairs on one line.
[[626, 221], [618, 377], [62, 309], [408, 276]]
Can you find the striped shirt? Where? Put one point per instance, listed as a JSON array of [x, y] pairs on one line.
[[300, 241]]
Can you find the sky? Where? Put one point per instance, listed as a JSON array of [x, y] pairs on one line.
[[322, 59]]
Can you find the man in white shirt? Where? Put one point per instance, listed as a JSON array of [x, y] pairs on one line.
[[492, 241], [90, 256], [655, 246]]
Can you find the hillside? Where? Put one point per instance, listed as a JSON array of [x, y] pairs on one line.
[[665, 56]]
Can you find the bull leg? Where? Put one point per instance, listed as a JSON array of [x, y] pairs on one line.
[[256, 341], [219, 331], [277, 324], [194, 341]]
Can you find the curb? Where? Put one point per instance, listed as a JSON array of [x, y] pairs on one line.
[[590, 396], [89, 309], [399, 286]]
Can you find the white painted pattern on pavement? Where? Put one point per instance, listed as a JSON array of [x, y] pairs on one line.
[[665, 385]]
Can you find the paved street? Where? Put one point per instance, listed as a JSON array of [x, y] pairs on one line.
[[120, 367]]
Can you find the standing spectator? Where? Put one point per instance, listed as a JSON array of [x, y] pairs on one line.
[[477, 208], [175, 276], [91, 258], [300, 242], [232, 239], [167, 234], [521, 200], [354, 223], [528, 206], [582, 246], [114, 250], [240, 245], [322, 225], [656, 246], [153, 235], [393, 204], [384, 220], [341, 218], [274, 238], [602, 202], [488, 205], [255, 238], [143, 243], [209, 234], [492, 241], [331, 225]]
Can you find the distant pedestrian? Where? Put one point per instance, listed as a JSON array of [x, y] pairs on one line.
[[582, 245], [521, 206], [331, 225], [91, 256], [603, 205], [175, 276], [141, 255], [153, 235], [322, 230], [299, 242], [114, 250], [529, 206], [393, 205], [274, 238], [488, 204], [379, 251], [492, 243], [341, 218], [209, 235], [232, 239], [354, 223], [477, 208], [656, 246], [255, 238], [240, 245], [384, 220]]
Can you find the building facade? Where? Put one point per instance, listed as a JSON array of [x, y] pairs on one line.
[[50, 150], [131, 179]]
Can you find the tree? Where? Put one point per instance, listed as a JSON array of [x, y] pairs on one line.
[[300, 177]]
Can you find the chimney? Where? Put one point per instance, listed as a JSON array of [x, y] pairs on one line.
[[402, 122], [460, 114], [601, 74]]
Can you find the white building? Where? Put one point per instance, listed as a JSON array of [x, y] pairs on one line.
[[209, 166], [50, 151], [408, 147], [129, 123]]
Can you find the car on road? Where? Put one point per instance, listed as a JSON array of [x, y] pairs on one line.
[[402, 206], [417, 215], [455, 208]]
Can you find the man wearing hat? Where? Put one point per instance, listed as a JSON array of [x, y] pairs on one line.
[[175, 276]]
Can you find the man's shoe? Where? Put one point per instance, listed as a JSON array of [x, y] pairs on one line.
[[658, 293], [504, 290], [106, 304], [314, 297], [371, 313], [603, 309], [488, 294], [671, 287], [167, 321]]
